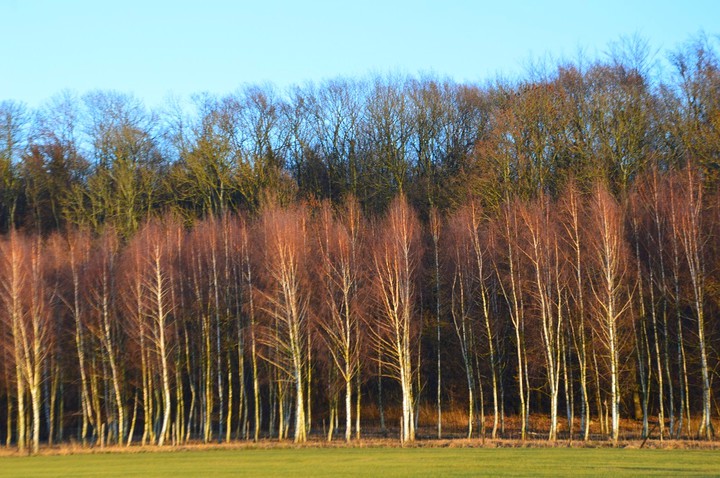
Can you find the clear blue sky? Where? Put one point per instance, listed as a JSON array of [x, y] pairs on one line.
[[152, 48]]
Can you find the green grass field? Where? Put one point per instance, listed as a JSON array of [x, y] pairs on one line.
[[376, 462]]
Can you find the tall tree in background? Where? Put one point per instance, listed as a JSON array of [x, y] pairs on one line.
[[262, 145], [53, 168], [336, 122], [204, 176], [622, 115], [124, 185], [13, 140], [694, 106], [387, 132]]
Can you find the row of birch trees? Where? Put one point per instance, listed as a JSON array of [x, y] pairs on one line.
[[314, 318]]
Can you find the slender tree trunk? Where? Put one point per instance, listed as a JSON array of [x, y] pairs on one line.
[[86, 411], [693, 246], [8, 405], [348, 406], [458, 311], [253, 338], [568, 386], [308, 387], [218, 353], [474, 223], [133, 420], [242, 399], [256, 382], [191, 384], [662, 287], [681, 362], [229, 400], [15, 282], [435, 232], [598, 395], [381, 407], [179, 435], [21, 414], [643, 376], [108, 342], [207, 380], [36, 397], [641, 340], [146, 393], [516, 316], [358, 395], [659, 365], [161, 321], [300, 423]]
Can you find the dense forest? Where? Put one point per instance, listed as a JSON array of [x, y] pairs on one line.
[[340, 257]]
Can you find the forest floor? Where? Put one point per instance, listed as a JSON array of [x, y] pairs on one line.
[[426, 438], [454, 435]]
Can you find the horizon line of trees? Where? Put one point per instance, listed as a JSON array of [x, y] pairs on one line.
[[524, 247], [103, 159]]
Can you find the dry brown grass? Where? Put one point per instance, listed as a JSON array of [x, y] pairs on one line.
[[454, 436], [316, 441]]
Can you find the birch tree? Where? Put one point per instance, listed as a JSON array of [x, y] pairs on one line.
[[396, 258], [572, 215], [14, 280], [26, 306], [149, 301], [337, 242], [507, 264], [462, 305], [284, 235], [541, 250], [106, 324], [608, 255], [689, 206]]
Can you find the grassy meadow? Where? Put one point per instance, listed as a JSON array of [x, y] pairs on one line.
[[291, 462]]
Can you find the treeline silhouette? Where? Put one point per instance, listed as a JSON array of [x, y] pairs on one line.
[[266, 263]]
